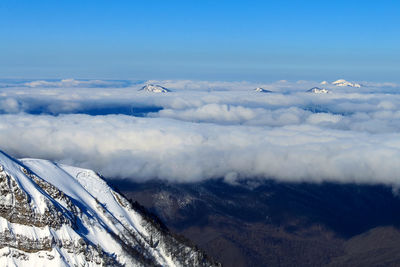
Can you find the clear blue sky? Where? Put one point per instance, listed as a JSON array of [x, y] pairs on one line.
[[200, 39]]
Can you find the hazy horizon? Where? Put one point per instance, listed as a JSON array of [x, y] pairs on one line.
[[201, 40]]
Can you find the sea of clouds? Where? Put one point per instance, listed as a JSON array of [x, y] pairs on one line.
[[203, 130]]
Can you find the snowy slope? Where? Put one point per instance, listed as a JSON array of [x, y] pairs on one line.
[[262, 90], [154, 88], [317, 90], [57, 215], [342, 83]]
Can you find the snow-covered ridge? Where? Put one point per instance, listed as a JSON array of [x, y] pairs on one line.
[[342, 83], [262, 90], [58, 215], [317, 90], [154, 88]]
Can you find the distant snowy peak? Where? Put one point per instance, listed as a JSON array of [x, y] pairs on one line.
[[155, 88], [317, 90], [342, 83], [262, 90], [58, 215], [324, 83]]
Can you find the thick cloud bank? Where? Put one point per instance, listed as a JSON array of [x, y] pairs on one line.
[[196, 133]]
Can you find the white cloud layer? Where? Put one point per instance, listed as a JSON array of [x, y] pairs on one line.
[[194, 133]]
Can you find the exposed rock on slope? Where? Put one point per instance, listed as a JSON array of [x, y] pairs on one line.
[[262, 90], [154, 88], [317, 90], [342, 83]]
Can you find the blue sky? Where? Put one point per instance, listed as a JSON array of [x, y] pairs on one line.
[[208, 40]]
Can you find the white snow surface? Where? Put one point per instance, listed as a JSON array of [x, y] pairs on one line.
[[262, 90], [342, 82], [317, 90], [104, 214], [154, 88]]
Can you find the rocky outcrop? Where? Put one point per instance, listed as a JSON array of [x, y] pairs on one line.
[[15, 206]]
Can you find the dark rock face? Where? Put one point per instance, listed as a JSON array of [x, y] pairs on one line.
[[8, 239], [15, 205], [154, 88], [278, 224]]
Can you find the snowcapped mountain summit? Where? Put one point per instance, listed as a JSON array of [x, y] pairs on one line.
[[58, 215], [154, 88], [342, 82], [317, 90], [262, 90]]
